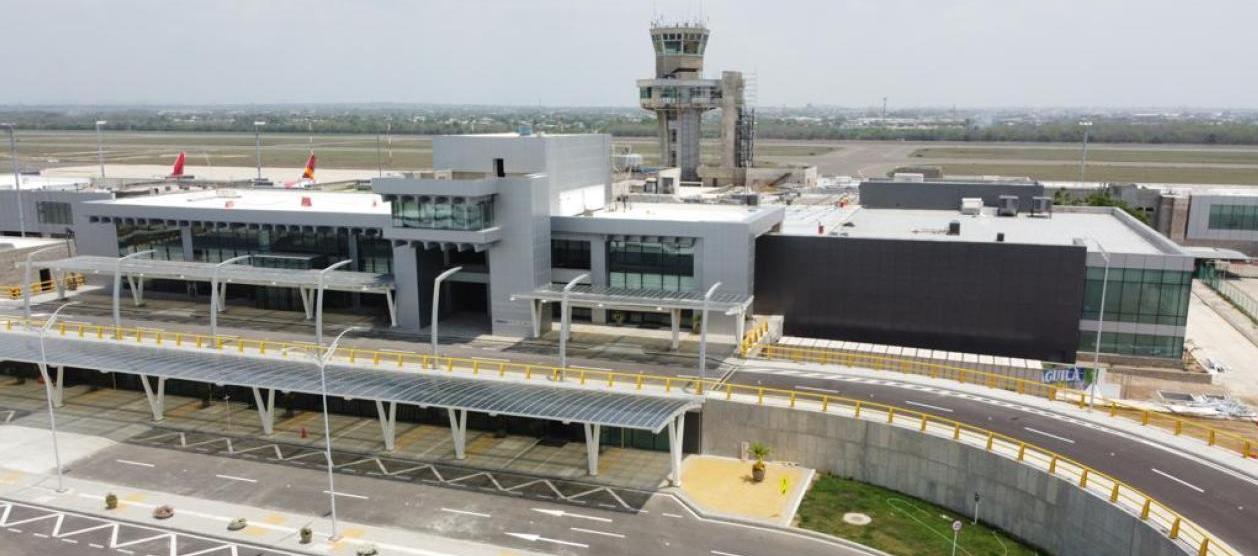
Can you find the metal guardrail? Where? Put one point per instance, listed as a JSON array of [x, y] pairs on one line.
[[1233, 442], [71, 281], [1149, 510], [1233, 294]]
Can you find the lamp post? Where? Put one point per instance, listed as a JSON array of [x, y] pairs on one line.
[[703, 333], [17, 179], [322, 359], [319, 300], [215, 305], [118, 284], [43, 370], [1083, 160], [1100, 324], [100, 149], [563, 322], [26, 281], [257, 146], [436, 299]]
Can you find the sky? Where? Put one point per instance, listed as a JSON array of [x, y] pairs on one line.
[[918, 53]]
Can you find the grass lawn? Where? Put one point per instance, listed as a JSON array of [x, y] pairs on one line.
[[1203, 155], [901, 525]]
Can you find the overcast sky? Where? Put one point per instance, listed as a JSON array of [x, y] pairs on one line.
[[969, 53]]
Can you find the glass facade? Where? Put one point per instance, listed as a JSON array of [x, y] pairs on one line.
[[666, 265], [1233, 217], [568, 253], [443, 213], [54, 212], [166, 242], [1134, 295]]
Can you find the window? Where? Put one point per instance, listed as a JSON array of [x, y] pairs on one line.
[[1144, 345], [568, 253], [54, 212], [1233, 217], [644, 93], [443, 213], [1138, 295], [665, 265], [166, 242]]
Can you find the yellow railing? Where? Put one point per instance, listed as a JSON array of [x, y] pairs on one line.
[[1237, 443], [753, 337], [1149, 510], [70, 281]]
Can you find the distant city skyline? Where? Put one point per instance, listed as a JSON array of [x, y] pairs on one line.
[[850, 53]]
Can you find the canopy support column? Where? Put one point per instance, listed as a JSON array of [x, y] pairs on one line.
[[59, 280], [674, 316], [535, 311], [58, 388], [592, 433], [222, 297], [388, 423], [458, 428], [305, 301], [388, 299], [157, 400], [137, 289], [266, 410], [740, 327], [676, 432]]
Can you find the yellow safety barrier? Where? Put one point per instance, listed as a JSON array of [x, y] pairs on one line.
[[71, 281], [1237, 443], [1150, 510]]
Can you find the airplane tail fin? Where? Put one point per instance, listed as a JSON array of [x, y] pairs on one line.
[[177, 169], [309, 174]]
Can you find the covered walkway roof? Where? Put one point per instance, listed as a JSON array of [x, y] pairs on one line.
[[349, 281], [649, 412], [644, 300]]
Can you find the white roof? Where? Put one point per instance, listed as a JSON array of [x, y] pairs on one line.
[[287, 200], [211, 173], [8, 242], [688, 212], [45, 182]]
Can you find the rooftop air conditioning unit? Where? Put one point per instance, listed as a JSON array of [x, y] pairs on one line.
[[1042, 206], [972, 206], [1007, 205]]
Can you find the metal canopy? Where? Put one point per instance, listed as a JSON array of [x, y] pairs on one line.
[[348, 281], [298, 373], [647, 300]]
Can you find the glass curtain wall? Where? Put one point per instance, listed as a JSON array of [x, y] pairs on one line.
[[663, 265], [570, 253], [166, 242], [443, 213], [1233, 217], [1135, 295]]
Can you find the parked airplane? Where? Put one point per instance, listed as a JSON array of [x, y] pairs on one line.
[[176, 170], [307, 177]]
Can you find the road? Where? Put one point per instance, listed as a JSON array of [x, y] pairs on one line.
[[1224, 503], [664, 526]]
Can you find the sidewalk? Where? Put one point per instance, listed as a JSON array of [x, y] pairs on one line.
[[210, 518]]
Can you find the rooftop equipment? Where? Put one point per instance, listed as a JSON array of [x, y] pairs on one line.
[[972, 206], [1042, 206], [1007, 205], [954, 228]]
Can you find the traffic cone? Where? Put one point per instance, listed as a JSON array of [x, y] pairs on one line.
[[303, 432]]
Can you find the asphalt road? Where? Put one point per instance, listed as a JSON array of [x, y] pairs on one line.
[[1225, 504], [663, 527]]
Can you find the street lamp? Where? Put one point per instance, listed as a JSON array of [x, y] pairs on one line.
[[215, 304], [43, 371], [257, 147], [436, 299], [1100, 324], [100, 151], [563, 322], [322, 360], [17, 180], [703, 333], [26, 280], [1083, 160], [319, 300], [118, 285]]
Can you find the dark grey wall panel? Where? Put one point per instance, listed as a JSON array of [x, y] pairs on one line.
[[942, 195], [993, 298]]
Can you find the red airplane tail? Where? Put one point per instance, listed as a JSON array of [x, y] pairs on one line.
[[176, 171], [309, 174]]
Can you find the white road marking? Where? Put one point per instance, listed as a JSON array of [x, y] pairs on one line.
[[234, 478], [71, 541], [534, 537], [1049, 434], [348, 495], [94, 545], [719, 553], [673, 515], [561, 513], [136, 463], [815, 389], [40, 535], [465, 512], [928, 406], [1178, 480], [593, 532]]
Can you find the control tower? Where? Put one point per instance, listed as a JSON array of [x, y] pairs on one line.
[[679, 95]]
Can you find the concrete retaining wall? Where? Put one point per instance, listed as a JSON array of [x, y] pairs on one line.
[[1043, 510]]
